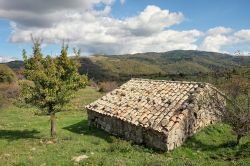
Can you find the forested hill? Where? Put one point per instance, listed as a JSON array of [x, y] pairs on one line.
[[189, 60], [106, 67], [172, 62]]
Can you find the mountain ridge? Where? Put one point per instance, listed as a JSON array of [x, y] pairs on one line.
[[102, 67]]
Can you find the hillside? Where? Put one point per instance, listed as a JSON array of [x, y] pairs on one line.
[[15, 65], [172, 62], [122, 67], [189, 61]]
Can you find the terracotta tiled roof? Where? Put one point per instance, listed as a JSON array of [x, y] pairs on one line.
[[155, 104]]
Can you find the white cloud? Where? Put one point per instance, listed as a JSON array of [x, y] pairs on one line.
[[89, 25], [217, 38], [97, 32], [243, 34], [4, 59], [219, 30], [215, 42], [245, 53], [122, 1], [152, 20], [45, 13]]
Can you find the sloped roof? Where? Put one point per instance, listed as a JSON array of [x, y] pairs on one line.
[[154, 104]]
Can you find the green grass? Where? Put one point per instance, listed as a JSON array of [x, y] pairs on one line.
[[24, 136]]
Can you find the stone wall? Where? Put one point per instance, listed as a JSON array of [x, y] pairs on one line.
[[200, 113], [128, 131]]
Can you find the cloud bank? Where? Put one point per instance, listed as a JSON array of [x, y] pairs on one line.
[[4, 59], [89, 25]]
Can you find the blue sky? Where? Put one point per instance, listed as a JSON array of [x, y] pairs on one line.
[[129, 26], [200, 14]]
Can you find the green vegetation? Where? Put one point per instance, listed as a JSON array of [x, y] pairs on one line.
[[24, 136], [24, 141], [8, 87], [8, 93], [107, 86], [6, 74], [185, 67], [210, 60], [123, 67], [15, 65], [237, 112], [106, 68], [53, 81], [188, 62]]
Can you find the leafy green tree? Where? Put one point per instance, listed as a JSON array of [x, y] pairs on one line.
[[52, 81], [6, 74]]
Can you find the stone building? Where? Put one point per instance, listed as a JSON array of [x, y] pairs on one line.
[[159, 114]]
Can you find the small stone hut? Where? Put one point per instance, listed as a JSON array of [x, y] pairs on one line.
[[159, 114]]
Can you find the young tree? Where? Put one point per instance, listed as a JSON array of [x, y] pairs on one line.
[[52, 81], [237, 111]]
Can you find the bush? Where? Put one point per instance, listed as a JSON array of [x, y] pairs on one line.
[[6, 74], [8, 93], [107, 86]]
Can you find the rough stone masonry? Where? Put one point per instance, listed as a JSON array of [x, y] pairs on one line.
[[159, 114]]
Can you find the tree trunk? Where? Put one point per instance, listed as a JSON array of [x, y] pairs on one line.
[[52, 125], [238, 139]]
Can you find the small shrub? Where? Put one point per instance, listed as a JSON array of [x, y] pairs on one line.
[[6, 74], [107, 86], [8, 93]]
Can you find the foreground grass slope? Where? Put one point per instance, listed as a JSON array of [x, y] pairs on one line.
[[24, 141]]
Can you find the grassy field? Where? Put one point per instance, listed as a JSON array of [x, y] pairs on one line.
[[24, 141]]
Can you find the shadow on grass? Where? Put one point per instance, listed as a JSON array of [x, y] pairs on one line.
[[83, 128], [12, 135], [225, 151], [244, 151], [196, 144]]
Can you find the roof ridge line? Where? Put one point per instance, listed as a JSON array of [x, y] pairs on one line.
[[184, 82]]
